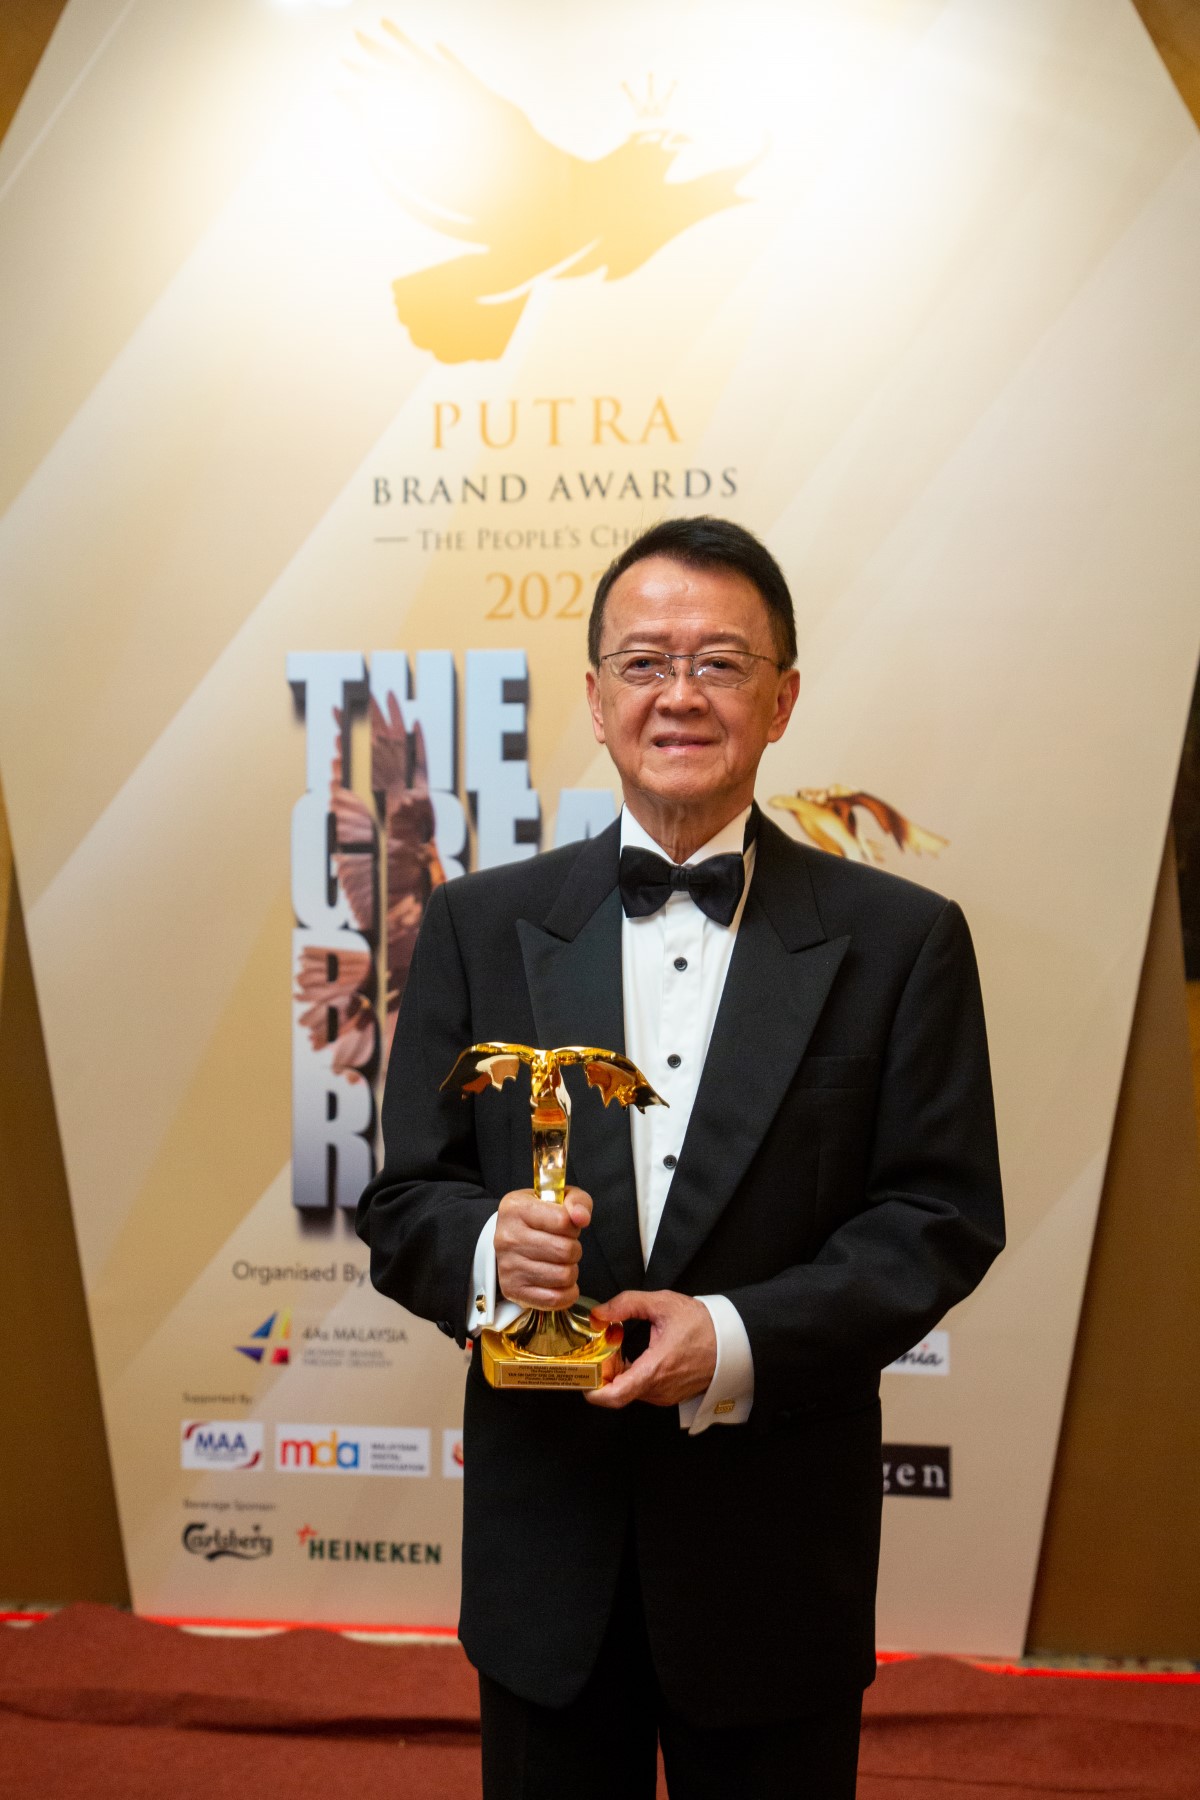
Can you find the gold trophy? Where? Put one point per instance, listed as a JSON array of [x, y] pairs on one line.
[[563, 1349]]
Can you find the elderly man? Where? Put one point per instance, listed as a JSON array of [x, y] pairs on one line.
[[687, 1556]]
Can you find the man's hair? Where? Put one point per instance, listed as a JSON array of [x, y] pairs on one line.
[[705, 543]]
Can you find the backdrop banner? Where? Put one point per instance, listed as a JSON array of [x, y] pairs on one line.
[[342, 347]]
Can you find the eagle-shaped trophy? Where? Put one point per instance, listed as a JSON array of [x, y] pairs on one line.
[[562, 1349]]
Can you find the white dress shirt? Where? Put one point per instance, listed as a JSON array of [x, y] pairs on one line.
[[673, 969]]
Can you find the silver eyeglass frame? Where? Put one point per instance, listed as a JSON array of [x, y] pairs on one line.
[[672, 657]]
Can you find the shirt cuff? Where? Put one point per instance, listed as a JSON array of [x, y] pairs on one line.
[[730, 1393], [487, 1305]]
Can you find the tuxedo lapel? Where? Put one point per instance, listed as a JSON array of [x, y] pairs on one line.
[[573, 970], [780, 975]]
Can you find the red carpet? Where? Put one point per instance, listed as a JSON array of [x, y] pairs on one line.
[[95, 1703], [935, 1729]]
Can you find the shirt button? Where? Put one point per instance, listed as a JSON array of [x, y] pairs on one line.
[[669, 1162], [681, 963], [674, 1061]]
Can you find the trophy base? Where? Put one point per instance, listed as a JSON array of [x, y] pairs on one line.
[[552, 1350]]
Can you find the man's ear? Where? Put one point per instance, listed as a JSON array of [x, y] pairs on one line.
[[592, 685], [785, 700]]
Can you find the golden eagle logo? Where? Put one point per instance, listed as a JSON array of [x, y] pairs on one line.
[[827, 817], [468, 163]]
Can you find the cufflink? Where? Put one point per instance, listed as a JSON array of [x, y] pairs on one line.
[[480, 1304], [723, 1406]]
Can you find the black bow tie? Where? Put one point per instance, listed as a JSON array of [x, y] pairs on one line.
[[647, 882]]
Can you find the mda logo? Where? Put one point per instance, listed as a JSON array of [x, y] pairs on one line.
[[352, 1450]]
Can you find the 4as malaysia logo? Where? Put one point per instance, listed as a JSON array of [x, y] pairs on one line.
[[271, 1340]]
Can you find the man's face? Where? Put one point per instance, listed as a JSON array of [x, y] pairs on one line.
[[683, 745]]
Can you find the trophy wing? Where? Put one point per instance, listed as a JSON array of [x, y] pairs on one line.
[[613, 1076], [487, 1065]]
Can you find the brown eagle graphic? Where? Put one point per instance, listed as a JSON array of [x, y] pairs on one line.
[[826, 816], [467, 162], [338, 991]]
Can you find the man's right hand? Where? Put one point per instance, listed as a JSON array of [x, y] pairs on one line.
[[537, 1247]]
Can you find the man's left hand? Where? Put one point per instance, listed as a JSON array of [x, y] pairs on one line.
[[681, 1358]]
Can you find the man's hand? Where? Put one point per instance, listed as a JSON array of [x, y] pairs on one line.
[[537, 1247], [682, 1356]]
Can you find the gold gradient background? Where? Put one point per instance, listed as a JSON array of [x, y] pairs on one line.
[[917, 347]]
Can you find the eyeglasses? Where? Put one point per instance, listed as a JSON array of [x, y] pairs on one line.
[[711, 668]]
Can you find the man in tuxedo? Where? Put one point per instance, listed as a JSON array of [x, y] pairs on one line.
[[688, 1555]]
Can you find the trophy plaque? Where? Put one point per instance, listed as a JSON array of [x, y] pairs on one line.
[[564, 1348]]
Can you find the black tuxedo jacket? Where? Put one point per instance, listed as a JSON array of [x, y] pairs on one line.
[[838, 1181]]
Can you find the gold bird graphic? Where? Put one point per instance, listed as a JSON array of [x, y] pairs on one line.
[[340, 1005], [467, 162], [826, 816]]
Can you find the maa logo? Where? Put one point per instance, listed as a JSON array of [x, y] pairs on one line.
[[229, 1444]]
